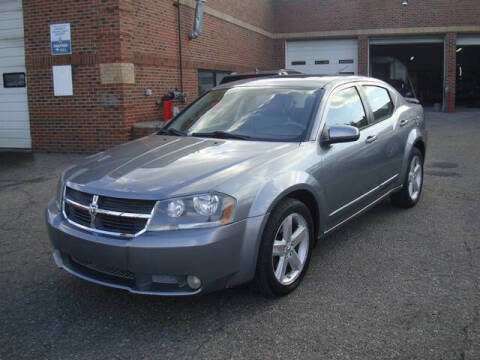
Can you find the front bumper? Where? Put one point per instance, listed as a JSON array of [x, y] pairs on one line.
[[158, 263]]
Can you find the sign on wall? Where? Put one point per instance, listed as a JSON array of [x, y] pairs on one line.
[[62, 80], [60, 41]]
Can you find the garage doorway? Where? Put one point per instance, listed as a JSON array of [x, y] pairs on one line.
[[422, 59], [14, 118], [467, 93]]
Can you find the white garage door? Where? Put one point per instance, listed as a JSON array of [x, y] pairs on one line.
[[14, 121], [322, 56]]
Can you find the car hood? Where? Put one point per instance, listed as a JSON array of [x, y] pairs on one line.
[[161, 166]]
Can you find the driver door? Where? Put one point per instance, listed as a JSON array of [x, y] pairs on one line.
[[348, 169]]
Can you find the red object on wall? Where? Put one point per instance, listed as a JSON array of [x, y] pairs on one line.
[[167, 110]]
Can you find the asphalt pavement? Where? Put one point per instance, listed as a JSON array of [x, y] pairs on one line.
[[392, 284]]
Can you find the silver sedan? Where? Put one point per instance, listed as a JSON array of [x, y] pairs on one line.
[[239, 186]]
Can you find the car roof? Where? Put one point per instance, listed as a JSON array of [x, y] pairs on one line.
[[296, 81], [257, 74]]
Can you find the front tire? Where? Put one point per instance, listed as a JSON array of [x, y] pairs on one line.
[[410, 193], [285, 250]]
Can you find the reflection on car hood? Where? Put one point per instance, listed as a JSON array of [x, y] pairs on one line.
[[162, 166]]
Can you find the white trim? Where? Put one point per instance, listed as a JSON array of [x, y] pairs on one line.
[[406, 40], [378, 32], [470, 39]]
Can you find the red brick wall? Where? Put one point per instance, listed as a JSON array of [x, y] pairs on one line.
[[221, 46], [331, 15], [363, 55], [92, 119], [279, 54], [315, 15], [450, 69], [143, 32], [256, 12]]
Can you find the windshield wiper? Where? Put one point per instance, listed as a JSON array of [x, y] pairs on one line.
[[221, 135], [172, 131]]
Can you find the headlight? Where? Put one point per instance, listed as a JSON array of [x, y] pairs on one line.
[[197, 211]]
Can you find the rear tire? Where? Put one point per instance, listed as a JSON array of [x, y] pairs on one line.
[[285, 250], [411, 190]]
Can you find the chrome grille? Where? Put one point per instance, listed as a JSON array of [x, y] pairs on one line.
[[78, 196], [104, 214], [78, 215], [122, 224], [125, 205]]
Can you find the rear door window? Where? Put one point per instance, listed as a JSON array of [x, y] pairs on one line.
[[380, 102], [346, 108]]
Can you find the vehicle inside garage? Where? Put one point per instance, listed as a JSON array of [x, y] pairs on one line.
[[423, 62], [468, 76]]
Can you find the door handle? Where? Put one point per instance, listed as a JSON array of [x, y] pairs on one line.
[[370, 139], [404, 122]]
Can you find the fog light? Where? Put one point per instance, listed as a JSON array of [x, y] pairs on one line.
[[194, 282]]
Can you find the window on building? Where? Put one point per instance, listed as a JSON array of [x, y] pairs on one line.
[[345, 108], [380, 102], [322, 62], [299, 62], [207, 79], [14, 80]]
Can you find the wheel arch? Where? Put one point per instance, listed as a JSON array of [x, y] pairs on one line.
[[415, 140], [300, 186], [306, 197], [420, 145], [307, 194]]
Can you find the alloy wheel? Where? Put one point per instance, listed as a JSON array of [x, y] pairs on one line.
[[290, 248], [415, 178]]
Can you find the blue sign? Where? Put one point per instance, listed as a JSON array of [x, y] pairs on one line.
[[60, 41]]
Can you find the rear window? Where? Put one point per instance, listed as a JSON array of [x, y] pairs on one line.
[[380, 102]]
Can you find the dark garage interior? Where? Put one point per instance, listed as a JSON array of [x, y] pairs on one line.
[[424, 63], [468, 76]]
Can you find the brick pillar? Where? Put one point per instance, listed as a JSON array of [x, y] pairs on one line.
[[450, 71], [279, 55], [363, 55]]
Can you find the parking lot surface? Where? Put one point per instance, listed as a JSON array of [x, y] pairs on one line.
[[392, 284]]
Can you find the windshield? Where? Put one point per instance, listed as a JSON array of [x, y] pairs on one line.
[[271, 114]]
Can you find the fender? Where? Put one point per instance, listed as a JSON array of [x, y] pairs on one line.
[[267, 198], [278, 188], [414, 136]]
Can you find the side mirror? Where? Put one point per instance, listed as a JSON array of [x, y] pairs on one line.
[[341, 134]]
